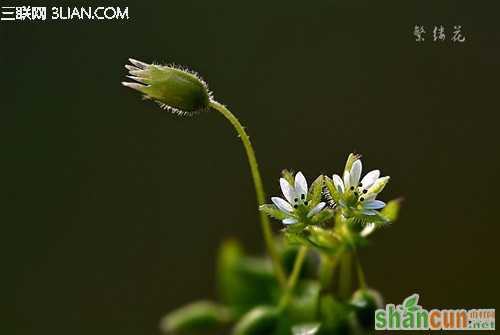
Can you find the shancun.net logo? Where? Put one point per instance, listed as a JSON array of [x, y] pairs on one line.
[[411, 316]]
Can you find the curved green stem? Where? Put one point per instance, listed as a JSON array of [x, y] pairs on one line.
[[294, 276], [259, 189]]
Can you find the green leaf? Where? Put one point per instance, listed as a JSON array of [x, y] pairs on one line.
[[391, 210], [304, 304], [334, 316], [306, 329], [314, 195], [243, 282], [195, 317], [261, 320], [273, 212]]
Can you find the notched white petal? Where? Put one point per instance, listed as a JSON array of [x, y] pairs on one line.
[[338, 183], [316, 209], [300, 184], [289, 221], [370, 178], [282, 205], [347, 180], [287, 190], [355, 173], [373, 204]]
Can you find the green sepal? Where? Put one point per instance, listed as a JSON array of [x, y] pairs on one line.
[[324, 239], [261, 320], [323, 216], [273, 212], [195, 317], [288, 175], [330, 187], [350, 161], [314, 195]]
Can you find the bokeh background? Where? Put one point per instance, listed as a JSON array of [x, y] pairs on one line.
[[96, 183]]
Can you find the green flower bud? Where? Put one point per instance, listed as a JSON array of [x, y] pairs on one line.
[[391, 210], [177, 90], [378, 186]]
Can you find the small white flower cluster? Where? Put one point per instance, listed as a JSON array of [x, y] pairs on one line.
[[296, 201], [353, 197]]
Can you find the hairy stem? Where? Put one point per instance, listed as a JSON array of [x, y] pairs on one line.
[[294, 276], [259, 189]]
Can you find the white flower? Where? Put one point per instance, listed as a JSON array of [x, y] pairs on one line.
[[355, 195], [296, 204]]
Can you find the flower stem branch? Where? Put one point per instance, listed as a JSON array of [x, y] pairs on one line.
[[294, 276], [259, 189]]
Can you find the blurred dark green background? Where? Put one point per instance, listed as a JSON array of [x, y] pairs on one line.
[[97, 183]]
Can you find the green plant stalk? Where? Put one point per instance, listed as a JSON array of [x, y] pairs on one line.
[[294, 276], [345, 275], [361, 273], [327, 269], [259, 190]]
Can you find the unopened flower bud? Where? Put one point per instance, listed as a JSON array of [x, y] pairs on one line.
[[177, 90], [378, 186]]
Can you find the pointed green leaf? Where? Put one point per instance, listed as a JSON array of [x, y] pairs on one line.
[[195, 317], [261, 320], [304, 304], [242, 281], [306, 329]]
